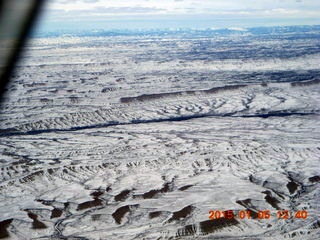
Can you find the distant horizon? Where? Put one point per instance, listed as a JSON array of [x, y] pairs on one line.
[[167, 23], [102, 31], [88, 15]]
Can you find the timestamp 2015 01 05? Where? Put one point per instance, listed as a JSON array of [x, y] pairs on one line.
[[260, 214]]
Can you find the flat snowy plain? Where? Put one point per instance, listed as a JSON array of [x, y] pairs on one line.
[[139, 136]]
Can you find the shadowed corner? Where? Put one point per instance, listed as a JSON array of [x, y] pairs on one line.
[[17, 19], [3, 228]]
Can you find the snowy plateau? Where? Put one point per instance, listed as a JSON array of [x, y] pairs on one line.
[[128, 135]]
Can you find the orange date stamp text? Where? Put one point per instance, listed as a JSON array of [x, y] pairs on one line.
[[261, 214]]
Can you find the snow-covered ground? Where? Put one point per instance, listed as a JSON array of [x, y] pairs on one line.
[[139, 138]]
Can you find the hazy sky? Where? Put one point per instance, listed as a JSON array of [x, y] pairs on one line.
[[108, 14]]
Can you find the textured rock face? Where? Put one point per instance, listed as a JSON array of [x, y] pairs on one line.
[[104, 140]]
